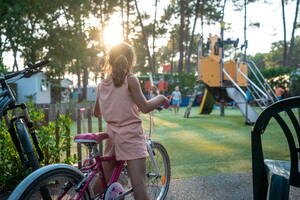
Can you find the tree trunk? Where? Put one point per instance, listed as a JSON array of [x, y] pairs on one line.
[[188, 62], [245, 30], [181, 37], [15, 66], [122, 16], [154, 35], [186, 41], [127, 21], [284, 35], [290, 54], [145, 38], [173, 53]]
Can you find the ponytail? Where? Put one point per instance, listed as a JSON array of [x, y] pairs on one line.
[[120, 70], [120, 60]]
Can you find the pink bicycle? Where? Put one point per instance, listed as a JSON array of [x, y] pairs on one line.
[[67, 182]]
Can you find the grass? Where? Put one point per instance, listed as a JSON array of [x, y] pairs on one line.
[[204, 145]]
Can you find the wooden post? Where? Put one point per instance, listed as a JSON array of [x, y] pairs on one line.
[[90, 123], [57, 137], [46, 122], [100, 130], [78, 144], [90, 126], [68, 137]]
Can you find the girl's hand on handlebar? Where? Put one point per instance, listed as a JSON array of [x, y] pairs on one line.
[[166, 104]]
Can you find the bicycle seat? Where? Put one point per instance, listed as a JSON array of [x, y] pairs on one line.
[[90, 137]]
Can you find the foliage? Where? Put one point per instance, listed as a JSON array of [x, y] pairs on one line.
[[274, 72], [258, 59], [295, 83], [186, 82], [10, 165], [274, 58], [11, 168], [52, 146], [275, 76]]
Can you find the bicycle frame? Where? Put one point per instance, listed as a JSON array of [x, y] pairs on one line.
[[97, 167], [17, 126], [80, 185], [19, 133]]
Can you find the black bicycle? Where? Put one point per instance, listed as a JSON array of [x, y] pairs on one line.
[[19, 123]]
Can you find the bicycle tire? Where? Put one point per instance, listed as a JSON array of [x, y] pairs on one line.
[[56, 177], [158, 186], [27, 146], [32, 158]]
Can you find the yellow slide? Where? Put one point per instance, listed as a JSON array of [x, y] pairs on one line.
[[207, 103]]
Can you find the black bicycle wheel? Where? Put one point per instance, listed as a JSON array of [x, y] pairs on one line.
[[60, 183], [27, 146], [158, 184]]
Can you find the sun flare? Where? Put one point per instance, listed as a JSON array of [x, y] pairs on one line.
[[113, 34]]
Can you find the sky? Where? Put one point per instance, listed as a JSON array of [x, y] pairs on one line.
[[259, 39], [271, 25]]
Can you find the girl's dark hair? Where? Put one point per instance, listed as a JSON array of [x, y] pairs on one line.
[[121, 58]]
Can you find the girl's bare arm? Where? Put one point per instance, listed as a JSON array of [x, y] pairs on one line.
[[139, 99]]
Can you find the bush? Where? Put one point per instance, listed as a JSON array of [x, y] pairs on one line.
[[11, 169], [295, 84], [55, 139], [186, 82]]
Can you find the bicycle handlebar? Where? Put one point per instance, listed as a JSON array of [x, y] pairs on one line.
[[165, 105], [26, 70], [44, 62]]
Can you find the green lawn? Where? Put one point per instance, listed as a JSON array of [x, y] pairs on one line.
[[210, 144]]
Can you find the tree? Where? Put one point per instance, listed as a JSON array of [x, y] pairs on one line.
[[191, 44], [284, 33], [145, 37], [291, 49]]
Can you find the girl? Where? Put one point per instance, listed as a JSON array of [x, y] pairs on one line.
[[119, 100], [176, 99]]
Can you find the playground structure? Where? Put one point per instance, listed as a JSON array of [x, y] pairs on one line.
[[228, 81]]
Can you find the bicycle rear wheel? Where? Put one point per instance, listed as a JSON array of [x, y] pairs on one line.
[[158, 184], [60, 180]]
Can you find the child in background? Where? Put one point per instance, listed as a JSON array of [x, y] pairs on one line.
[[153, 92], [176, 99], [119, 99], [279, 92]]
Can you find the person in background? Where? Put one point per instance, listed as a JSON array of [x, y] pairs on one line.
[[153, 92], [176, 99], [119, 99], [279, 92]]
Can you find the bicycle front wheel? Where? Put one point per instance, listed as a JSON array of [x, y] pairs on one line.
[[60, 180], [158, 183]]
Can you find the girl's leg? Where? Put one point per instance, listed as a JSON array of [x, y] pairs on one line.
[[108, 168], [137, 173]]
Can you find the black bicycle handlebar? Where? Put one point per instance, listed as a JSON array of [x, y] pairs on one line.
[[44, 62], [26, 70]]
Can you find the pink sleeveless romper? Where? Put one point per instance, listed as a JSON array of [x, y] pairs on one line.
[[124, 127]]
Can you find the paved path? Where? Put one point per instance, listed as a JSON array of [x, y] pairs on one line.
[[236, 186]]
